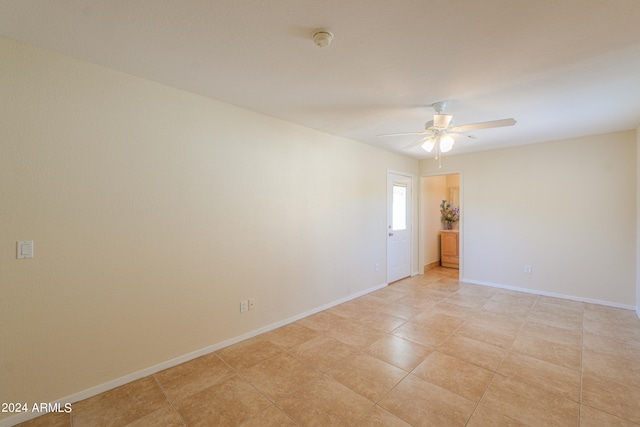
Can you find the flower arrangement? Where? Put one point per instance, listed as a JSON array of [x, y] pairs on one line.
[[449, 215]]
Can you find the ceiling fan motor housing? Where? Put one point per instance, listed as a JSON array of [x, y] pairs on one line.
[[441, 121]]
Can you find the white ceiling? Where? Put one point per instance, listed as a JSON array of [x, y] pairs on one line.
[[561, 68]]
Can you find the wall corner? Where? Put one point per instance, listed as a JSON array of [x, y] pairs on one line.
[[638, 221]]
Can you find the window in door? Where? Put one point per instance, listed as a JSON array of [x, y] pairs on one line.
[[399, 207]]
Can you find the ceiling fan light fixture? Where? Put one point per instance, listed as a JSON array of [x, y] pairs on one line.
[[446, 143], [428, 144]]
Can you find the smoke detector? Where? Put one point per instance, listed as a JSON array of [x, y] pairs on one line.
[[322, 38]]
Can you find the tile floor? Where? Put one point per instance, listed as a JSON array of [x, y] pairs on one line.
[[424, 351]]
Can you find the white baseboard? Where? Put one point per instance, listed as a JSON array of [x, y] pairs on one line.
[[552, 294], [93, 391], [638, 311]]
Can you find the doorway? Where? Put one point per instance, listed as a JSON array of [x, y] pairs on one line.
[[434, 190], [399, 226]]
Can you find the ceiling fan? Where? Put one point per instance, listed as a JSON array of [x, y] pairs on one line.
[[437, 132]]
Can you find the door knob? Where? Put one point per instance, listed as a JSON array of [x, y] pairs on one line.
[[390, 234]]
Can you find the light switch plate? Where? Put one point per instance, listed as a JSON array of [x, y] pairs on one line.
[[25, 249]]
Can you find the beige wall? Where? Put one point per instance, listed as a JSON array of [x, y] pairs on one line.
[[453, 180], [567, 208], [154, 212]]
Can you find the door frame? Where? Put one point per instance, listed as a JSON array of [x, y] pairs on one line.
[[421, 214], [411, 223]]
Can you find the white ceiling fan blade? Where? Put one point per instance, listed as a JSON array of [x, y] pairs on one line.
[[416, 143], [484, 125], [405, 133]]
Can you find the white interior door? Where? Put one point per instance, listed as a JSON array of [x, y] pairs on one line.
[[398, 226]]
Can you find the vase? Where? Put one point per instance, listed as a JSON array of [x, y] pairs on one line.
[[448, 225]]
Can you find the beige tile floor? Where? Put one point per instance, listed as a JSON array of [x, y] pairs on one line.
[[424, 351]]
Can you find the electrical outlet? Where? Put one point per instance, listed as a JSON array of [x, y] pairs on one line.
[[25, 249], [244, 306], [252, 303], [527, 269]]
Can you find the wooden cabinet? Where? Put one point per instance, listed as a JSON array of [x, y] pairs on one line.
[[450, 248]]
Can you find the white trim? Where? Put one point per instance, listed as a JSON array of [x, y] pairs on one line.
[[396, 172], [94, 391], [551, 294], [638, 311]]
